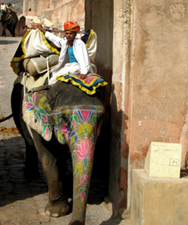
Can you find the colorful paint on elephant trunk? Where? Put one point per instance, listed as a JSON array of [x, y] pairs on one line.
[[80, 133]]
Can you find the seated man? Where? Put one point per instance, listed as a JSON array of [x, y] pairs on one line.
[[78, 60]]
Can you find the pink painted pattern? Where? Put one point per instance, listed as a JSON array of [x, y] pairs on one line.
[[86, 149], [84, 179], [64, 130]]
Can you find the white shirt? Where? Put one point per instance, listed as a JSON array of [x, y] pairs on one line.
[[3, 7], [79, 49]]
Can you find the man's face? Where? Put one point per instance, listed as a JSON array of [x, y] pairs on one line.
[[70, 35]]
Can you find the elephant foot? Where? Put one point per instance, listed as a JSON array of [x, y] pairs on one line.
[[57, 209]]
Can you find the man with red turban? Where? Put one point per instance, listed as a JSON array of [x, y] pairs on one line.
[[73, 57]]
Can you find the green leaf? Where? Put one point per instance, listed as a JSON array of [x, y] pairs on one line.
[[44, 128], [95, 119], [75, 118], [42, 111], [80, 190], [30, 99], [85, 162], [39, 116], [85, 131], [77, 172], [73, 156]]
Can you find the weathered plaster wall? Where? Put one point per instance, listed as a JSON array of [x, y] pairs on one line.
[[159, 78], [149, 84]]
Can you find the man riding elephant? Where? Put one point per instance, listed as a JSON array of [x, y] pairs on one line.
[[9, 21], [60, 115], [79, 63]]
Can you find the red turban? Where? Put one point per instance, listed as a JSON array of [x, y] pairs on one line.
[[71, 26]]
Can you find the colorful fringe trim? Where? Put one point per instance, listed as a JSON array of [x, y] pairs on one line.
[[88, 85]]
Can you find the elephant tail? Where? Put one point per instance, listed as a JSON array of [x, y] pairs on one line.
[[6, 118]]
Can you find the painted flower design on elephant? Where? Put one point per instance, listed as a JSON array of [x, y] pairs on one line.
[[84, 179], [74, 120], [73, 137], [33, 109], [84, 115], [86, 149], [31, 104], [40, 112], [83, 192], [60, 130]]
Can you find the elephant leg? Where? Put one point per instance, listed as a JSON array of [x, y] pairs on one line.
[[31, 162], [12, 31], [3, 32], [58, 202], [82, 157]]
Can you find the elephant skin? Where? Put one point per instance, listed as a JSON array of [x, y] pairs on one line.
[[61, 117], [8, 23]]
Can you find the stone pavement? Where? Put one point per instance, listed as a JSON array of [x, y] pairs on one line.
[[22, 201]]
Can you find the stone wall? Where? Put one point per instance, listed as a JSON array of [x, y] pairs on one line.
[[149, 84], [158, 78], [57, 11]]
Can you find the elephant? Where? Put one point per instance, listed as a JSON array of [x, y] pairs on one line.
[[60, 118], [9, 21]]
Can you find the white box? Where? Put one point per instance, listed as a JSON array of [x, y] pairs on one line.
[[163, 160]]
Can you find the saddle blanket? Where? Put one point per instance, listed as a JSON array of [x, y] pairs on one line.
[[88, 85]]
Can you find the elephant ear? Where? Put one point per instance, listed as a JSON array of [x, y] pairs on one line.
[[37, 113]]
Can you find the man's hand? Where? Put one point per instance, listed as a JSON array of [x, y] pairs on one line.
[[39, 26], [82, 76]]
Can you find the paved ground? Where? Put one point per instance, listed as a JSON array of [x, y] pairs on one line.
[[22, 202]]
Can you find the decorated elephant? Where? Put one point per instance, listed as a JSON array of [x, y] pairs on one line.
[[9, 21], [58, 117]]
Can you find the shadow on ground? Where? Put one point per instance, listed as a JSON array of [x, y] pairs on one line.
[[14, 186], [7, 42]]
